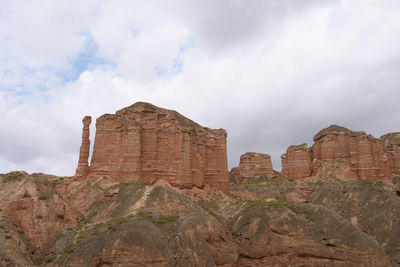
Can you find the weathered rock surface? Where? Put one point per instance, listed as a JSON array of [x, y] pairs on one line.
[[391, 147], [296, 163], [338, 153], [146, 225], [83, 163], [362, 153], [128, 223], [253, 165], [146, 143]]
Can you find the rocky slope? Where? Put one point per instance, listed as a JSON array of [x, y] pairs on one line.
[[260, 223]]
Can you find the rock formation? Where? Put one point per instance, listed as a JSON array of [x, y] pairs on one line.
[[296, 163], [340, 153], [146, 143], [253, 165], [391, 147], [362, 153], [83, 163]]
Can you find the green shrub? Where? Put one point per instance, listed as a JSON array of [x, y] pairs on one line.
[[42, 197], [167, 218], [69, 249], [14, 176]]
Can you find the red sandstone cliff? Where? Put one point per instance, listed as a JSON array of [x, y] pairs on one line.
[[391, 147], [296, 163], [146, 143], [340, 153], [253, 165]]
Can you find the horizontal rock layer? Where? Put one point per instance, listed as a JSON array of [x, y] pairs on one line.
[[253, 165], [146, 143], [341, 153]]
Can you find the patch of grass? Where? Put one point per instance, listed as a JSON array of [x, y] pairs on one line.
[[281, 204], [43, 197], [167, 218], [81, 236], [100, 188], [111, 227], [396, 179], [14, 176], [272, 203], [47, 259], [133, 183], [69, 249]]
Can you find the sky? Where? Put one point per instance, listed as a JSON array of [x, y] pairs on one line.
[[272, 73]]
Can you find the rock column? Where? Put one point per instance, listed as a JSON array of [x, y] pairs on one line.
[[83, 163]]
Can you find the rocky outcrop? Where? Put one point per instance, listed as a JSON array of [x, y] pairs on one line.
[[338, 153], [146, 143], [253, 165], [391, 147], [83, 163], [361, 153], [296, 163]]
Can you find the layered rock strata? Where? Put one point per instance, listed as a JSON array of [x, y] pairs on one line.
[[391, 147], [253, 165], [83, 163], [296, 162], [341, 153], [146, 143], [362, 153]]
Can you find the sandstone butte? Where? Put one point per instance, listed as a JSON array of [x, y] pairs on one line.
[[146, 143], [391, 147], [253, 165], [344, 154]]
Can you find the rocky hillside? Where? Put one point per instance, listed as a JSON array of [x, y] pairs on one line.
[[262, 222]]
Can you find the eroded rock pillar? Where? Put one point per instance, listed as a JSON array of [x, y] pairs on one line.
[[83, 163]]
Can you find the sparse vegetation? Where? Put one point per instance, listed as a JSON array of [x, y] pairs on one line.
[[39, 216], [14, 176], [167, 218], [69, 249], [60, 216], [281, 204], [133, 183], [46, 259], [43, 197]]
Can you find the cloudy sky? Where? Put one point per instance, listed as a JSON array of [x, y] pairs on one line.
[[271, 72]]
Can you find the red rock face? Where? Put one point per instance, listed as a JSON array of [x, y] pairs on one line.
[[146, 143], [362, 153], [340, 153], [253, 165], [83, 164], [391, 147], [296, 163]]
